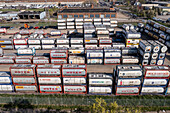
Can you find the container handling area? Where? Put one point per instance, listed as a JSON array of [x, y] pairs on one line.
[[86, 56]]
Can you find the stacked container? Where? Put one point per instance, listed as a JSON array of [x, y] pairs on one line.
[[97, 21], [7, 58], [90, 42], [113, 23], [20, 42], [89, 30], [49, 78], [129, 55], [100, 83], [34, 43], [70, 23], [105, 42], [24, 77], [76, 42], [59, 56], [155, 79], [128, 79], [103, 34], [106, 21], [61, 24], [48, 43], [112, 55], [6, 44], [6, 82], [79, 23], [145, 50], [74, 79], [111, 31], [94, 55], [76, 55], [62, 42]]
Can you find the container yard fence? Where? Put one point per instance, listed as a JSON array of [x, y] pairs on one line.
[[82, 101]]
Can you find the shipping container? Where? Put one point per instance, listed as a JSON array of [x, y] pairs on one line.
[[163, 48], [74, 70], [155, 46], [24, 32], [6, 42], [5, 78], [90, 45], [61, 20], [76, 40], [65, 46], [62, 41], [118, 45], [59, 61], [144, 55], [50, 88], [48, 47], [129, 71], [49, 80], [20, 41], [26, 88], [6, 60], [74, 81], [34, 41], [27, 51], [48, 70], [23, 60], [24, 80], [6, 88], [21, 46], [112, 61], [100, 82], [40, 60], [22, 70], [37, 47], [3, 30], [127, 90], [156, 71], [75, 50], [130, 59], [7, 47], [59, 54], [100, 90], [129, 51], [153, 90], [155, 82], [48, 41], [76, 60], [128, 82], [75, 89]]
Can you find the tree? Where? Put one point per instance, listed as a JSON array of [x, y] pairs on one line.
[[100, 106], [114, 107]]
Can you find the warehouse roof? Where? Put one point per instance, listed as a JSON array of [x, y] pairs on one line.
[[85, 10], [29, 13]]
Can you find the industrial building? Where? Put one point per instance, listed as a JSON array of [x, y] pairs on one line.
[[32, 15], [87, 13], [9, 15]]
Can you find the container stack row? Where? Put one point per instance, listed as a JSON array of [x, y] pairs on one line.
[[158, 32], [73, 79], [128, 79], [152, 52], [72, 23], [132, 37], [156, 80]]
